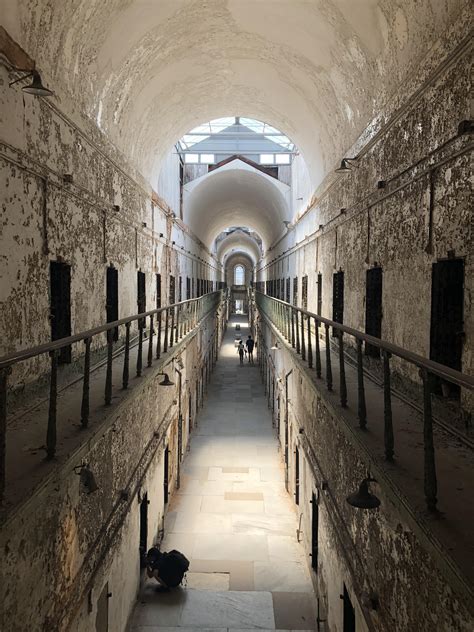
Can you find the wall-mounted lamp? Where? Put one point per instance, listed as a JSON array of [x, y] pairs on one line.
[[86, 478], [116, 208], [346, 165], [36, 87], [363, 499], [381, 184], [144, 224], [161, 234], [166, 380], [67, 178], [342, 211], [173, 243]]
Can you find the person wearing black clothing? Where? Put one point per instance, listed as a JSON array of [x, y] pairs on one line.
[[250, 345], [167, 568]]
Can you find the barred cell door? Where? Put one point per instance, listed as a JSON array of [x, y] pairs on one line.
[[373, 308], [349, 622], [141, 296], [60, 307], [337, 299], [112, 297], [102, 616], [166, 474], [304, 292], [297, 476], [447, 326], [314, 531]]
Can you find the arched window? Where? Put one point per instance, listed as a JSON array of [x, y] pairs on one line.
[[239, 275]]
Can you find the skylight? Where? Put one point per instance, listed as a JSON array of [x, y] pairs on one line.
[[229, 134]]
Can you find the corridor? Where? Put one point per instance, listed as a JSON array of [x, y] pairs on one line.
[[232, 518]]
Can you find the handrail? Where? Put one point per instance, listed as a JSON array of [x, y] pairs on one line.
[[452, 375], [295, 325], [172, 322], [17, 356]]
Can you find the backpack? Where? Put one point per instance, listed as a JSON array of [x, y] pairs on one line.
[[176, 565]]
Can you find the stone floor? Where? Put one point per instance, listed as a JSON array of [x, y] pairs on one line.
[[233, 519]]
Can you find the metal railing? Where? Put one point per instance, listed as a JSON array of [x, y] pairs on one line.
[[163, 327], [300, 327]]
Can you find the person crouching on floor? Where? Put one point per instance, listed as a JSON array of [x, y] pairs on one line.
[[168, 569]]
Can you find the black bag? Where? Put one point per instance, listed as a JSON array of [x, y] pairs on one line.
[[173, 568]]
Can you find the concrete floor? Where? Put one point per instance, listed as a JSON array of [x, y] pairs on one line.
[[233, 519]]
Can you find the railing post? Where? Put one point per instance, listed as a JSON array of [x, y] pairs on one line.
[[172, 330], [342, 372], [126, 359], [328, 360], [430, 482], [318, 350], [4, 373], [303, 343], [310, 345], [297, 330], [158, 335], [362, 410], [108, 375], [150, 343], [85, 384], [53, 403], [165, 340], [387, 407], [140, 349], [292, 327], [287, 323]]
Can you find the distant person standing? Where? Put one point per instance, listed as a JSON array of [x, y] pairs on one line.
[[250, 345], [241, 351]]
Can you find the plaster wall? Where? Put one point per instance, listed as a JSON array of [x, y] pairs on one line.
[[106, 216], [62, 545], [425, 168], [371, 552]]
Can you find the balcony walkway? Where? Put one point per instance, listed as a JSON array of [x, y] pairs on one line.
[[233, 519]]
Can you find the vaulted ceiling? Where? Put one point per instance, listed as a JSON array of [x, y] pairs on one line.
[[149, 70]]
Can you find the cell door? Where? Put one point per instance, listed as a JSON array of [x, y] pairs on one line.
[[297, 476], [143, 530], [141, 296], [447, 326], [304, 292], [60, 306], [166, 474], [314, 531], [349, 623], [158, 291], [188, 288], [337, 299], [320, 295], [180, 289], [287, 299], [172, 299], [373, 308], [295, 291], [112, 297], [102, 616]]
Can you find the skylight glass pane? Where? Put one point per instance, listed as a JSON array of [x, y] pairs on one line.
[[255, 126], [282, 159], [267, 159], [207, 159], [192, 139], [191, 158]]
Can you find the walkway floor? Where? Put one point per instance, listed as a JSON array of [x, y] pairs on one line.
[[233, 519]]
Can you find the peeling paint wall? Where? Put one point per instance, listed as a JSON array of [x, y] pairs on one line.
[[104, 217], [371, 553], [353, 225], [62, 545]]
